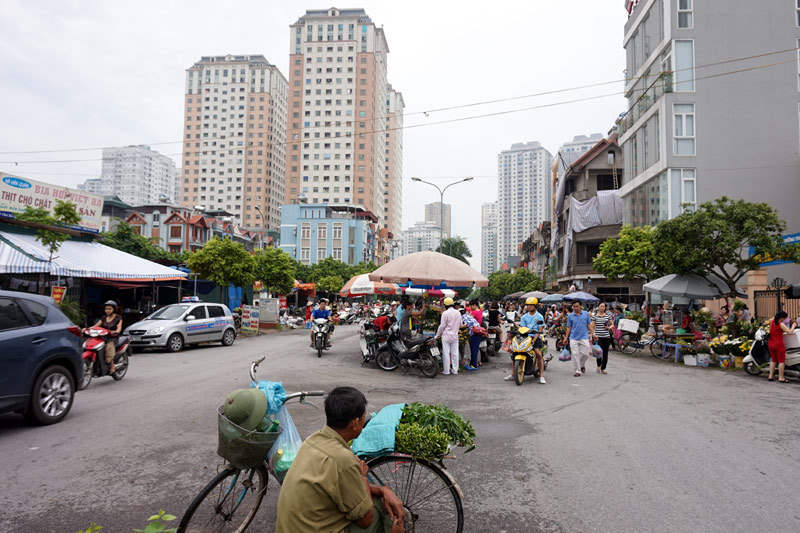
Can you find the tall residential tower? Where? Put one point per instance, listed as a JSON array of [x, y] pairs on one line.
[[489, 238], [433, 213], [138, 175], [234, 150]]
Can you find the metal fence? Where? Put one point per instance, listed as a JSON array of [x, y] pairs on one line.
[[767, 304]]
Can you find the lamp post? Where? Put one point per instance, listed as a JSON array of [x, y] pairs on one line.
[[441, 202], [261, 214]]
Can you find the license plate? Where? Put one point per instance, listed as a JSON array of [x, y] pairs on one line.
[[135, 337], [434, 350], [483, 344], [492, 336]]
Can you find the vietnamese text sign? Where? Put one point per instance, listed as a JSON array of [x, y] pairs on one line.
[[250, 319], [57, 293], [269, 310], [17, 193], [794, 238]]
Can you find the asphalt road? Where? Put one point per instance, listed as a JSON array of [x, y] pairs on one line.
[[649, 447]]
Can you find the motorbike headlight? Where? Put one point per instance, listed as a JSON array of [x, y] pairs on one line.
[[156, 330]]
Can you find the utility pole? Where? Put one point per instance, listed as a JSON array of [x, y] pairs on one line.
[[441, 204]]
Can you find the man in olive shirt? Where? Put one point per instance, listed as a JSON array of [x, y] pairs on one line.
[[326, 489]]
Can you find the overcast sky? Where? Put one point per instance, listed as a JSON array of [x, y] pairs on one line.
[[81, 74]]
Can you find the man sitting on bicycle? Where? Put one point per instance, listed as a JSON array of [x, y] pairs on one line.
[[327, 489]]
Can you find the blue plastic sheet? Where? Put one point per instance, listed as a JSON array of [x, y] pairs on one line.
[[377, 437], [275, 393]]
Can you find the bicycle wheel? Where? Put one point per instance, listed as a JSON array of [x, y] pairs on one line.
[[429, 494], [657, 347], [228, 503], [626, 344]]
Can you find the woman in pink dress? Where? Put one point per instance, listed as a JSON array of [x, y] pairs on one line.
[[777, 350]]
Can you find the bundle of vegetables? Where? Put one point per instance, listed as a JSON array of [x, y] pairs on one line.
[[426, 431]]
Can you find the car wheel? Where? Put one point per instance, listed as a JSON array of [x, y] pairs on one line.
[[52, 396], [175, 342], [228, 337]]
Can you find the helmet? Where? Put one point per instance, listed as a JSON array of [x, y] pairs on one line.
[[112, 303], [448, 302], [532, 301]]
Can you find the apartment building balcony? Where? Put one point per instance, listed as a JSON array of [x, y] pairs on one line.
[[651, 95]]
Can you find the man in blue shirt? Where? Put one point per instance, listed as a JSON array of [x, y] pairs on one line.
[[534, 321], [579, 328], [322, 312]]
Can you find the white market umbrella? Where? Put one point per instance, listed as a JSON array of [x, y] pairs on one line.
[[429, 268], [361, 285], [687, 286]]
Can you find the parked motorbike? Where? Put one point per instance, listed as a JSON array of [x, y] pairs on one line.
[[758, 359], [372, 337], [94, 355], [522, 352], [494, 340], [421, 353], [320, 331]]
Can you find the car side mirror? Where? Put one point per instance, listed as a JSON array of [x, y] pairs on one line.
[[188, 318]]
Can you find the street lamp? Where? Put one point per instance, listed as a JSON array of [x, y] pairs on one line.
[[441, 202], [261, 214]]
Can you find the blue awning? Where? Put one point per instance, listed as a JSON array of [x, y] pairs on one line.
[[81, 259]]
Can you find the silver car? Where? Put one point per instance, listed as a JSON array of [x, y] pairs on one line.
[[174, 326]]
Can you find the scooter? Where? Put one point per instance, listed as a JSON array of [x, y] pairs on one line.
[[494, 340], [94, 355], [758, 359], [372, 337], [524, 357], [320, 331], [421, 353]]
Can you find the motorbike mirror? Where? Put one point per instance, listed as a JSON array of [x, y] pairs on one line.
[[189, 317]]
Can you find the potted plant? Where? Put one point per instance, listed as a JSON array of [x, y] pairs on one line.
[[689, 355]]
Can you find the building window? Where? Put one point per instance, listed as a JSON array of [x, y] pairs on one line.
[[305, 255], [797, 7], [685, 13], [321, 254], [337, 254], [176, 231], [305, 231], [337, 231], [684, 66], [684, 139], [322, 231], [684, 190]]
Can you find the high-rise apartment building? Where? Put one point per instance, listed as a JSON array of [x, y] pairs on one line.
[[234, 150], [138, 175], [489, 238], [523, 195], [91, 185], [393, 177], [339, 115], [695, 131], [421, 237], [436, 213]]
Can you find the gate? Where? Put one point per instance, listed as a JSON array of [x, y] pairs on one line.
[[767, 302]]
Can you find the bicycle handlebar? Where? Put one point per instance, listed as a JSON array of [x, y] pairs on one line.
[[302, 395]]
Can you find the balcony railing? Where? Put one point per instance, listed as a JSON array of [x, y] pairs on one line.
[[651, 95]]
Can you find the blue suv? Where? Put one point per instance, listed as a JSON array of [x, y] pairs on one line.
[[40, 358]]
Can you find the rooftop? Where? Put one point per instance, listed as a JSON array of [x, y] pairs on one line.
[[254, 59], [347, 12]]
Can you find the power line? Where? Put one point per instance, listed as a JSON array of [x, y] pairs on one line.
[[414, 126]]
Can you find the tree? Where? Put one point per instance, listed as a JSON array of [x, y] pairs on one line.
[[330, 267], [330, 284], [364, 267], [301, 272], [223, 262], [274, 268], [128, 241], [634, 254], [64, 214], [455, 247], [504, 283], [716, 240]]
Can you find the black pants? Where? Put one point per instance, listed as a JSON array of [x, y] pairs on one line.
[[604, 343]]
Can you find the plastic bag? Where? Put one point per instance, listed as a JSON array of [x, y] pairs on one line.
[[597, 351], [565, 355], [283, 452], [275, 393]]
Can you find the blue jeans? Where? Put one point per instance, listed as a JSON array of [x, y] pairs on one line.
[[474, 346]]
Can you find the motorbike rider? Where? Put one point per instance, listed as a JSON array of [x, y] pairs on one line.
[[534, 321], [113, 323], [322, 312]]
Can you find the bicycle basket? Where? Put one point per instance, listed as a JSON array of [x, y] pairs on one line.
[[240, 447]]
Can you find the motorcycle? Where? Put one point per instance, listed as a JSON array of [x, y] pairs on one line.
[[758, 358], [421, 353], [522, 353], [94, 355], [371, 339], [346, 316], [494, 340], [320, 331]]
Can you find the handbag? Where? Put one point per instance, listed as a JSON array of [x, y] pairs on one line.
[[479, 330]]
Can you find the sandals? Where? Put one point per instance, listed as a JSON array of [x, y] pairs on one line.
[[577, 374], [784, 381]]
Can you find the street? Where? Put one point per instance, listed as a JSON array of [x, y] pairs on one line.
[[652, 446]]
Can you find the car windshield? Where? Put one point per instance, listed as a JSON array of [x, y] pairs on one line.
[[171, 312]]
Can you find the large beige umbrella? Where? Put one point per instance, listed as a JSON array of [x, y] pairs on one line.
[[361, 285], [429, 268]]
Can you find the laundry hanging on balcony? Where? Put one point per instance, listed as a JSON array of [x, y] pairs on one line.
[[605, 209]]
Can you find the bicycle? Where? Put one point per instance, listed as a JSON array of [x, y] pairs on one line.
[[230, 501], [630, 343]]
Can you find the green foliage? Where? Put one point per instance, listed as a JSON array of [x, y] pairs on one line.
[[364, 267], [64, 214], [127, 240], [72, 309], [504, 283], [457, 428], [422, 442], [634, 254], [301, 272], [330, 284], [94, 528], [158, 523], [274, 268], [716, 238], [455, 247], [223, 262]]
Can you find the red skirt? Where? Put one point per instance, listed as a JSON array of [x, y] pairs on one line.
[[777, 351]]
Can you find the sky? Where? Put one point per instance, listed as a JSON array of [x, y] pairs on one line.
[[87, 74]]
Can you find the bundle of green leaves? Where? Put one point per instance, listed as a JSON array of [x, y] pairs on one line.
[[421, 442], [458, 430]]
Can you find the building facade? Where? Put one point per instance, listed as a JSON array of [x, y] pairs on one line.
[[489, 262], [234, 149], [439, 214], [312, 232], [695, 130], [393, 178], [341, 107], [523, 194], [91, 186], [421, 237], [137, 175]]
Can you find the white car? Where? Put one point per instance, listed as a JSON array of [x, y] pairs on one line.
[[174, 326]]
